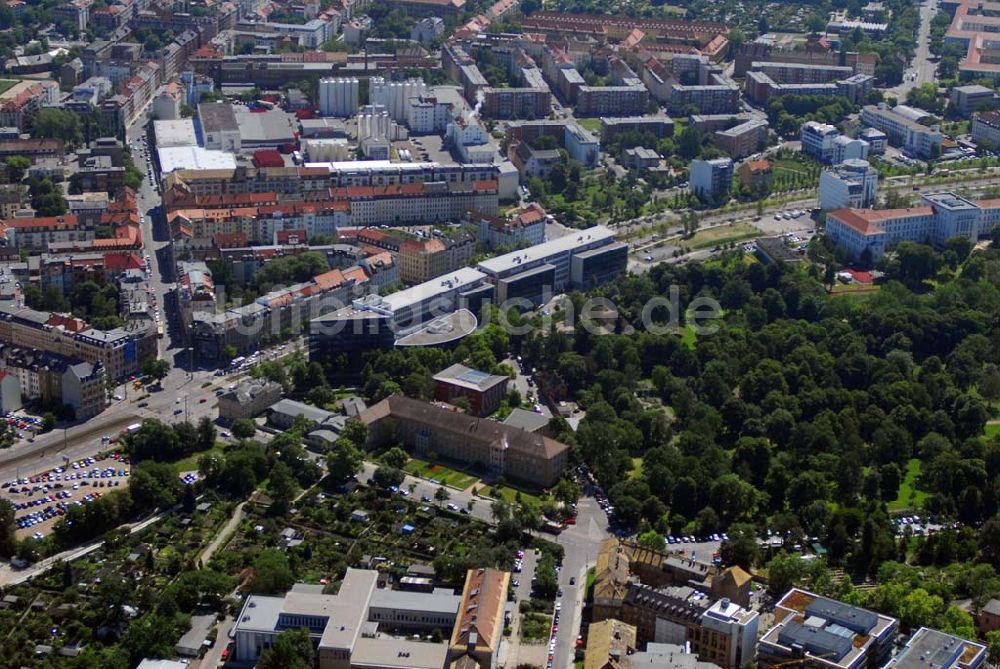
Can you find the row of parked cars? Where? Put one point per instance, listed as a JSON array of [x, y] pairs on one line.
[[56, 508]]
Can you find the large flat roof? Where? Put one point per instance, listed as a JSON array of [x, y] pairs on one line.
[[464, 276], [179, 132], [173, 158], [388, 652], [404, 600], [564, 244], [217, 117], [932, 649], [273, 126]]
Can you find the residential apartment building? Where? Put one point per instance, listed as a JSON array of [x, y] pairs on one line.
[[921, 141], [426, 428], [742, 140], [85, 389], [278, 314], [527, 228], [609, 643], [475, 639], [419, 203], [422, 260], [631, 99], [484, 392], [756, 175], [35, 234], [580, 144], [659, 126], [822, 633], [504, 103], [711, 178], [248, 400], [985, 129], [707, 99], [726, 636], [852, 183], [868, 234], [120, 351]]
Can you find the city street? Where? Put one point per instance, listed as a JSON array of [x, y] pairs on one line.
[[922, 66]]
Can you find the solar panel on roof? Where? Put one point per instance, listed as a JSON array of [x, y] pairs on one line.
[[474, 376]]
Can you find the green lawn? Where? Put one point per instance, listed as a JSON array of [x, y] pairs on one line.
[[909, 497], [722, 234], [992, 429], [441, 473], [190, 463], [591, 124], [7, 84], [510, 494]]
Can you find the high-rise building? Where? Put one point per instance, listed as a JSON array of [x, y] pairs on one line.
[[711, 178], [852, 183]]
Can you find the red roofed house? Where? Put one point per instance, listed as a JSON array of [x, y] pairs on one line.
[[867, 234], [756, 175]]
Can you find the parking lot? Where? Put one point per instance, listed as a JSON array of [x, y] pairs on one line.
[[40, 500]]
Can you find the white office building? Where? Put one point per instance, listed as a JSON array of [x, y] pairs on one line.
[[853, 183], [395, 95], [338, 96], [711, 178], [427, 115], [902, 130]]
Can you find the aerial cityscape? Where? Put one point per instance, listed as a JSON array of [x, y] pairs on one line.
[[499, 334]]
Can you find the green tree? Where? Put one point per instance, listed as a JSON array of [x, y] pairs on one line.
[[293, 649], [8, 542], [244, 428], [652, 539], [741, 548], [17, 167], [56, 123], [784, 572], [281, 485], [206, 433], [272, 573], [395, 457], [343, 460], [156, 368], [441, 495]]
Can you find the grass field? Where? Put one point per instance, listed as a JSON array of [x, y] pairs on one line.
[[591, 124], [7, 84], [440, 473], [722, 234], [511, 494], [909, 497], [992, 429]]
